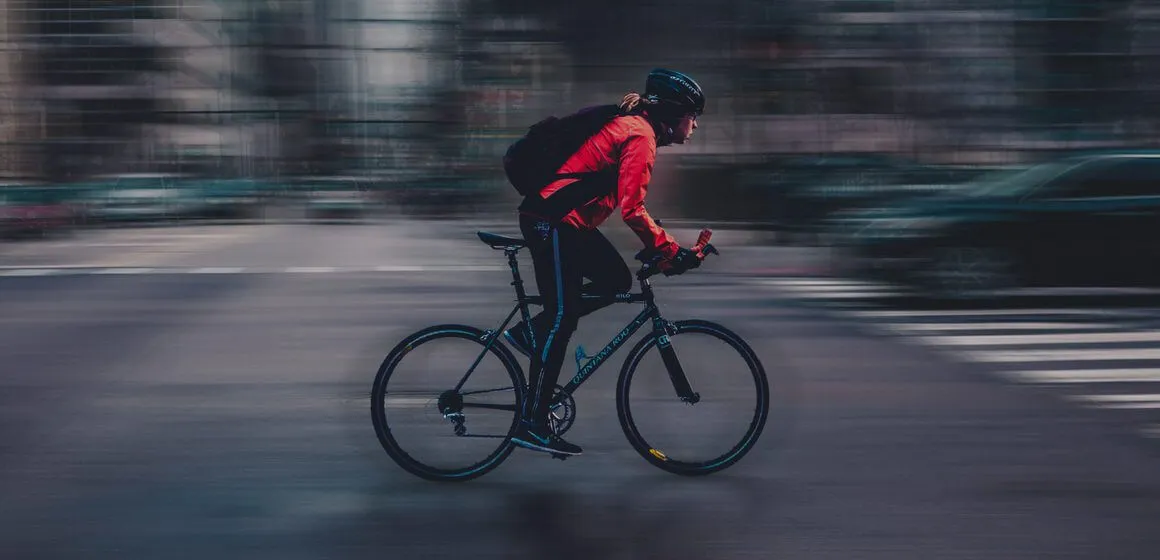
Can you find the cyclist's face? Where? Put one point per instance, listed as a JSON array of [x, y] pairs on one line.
[[684, 129]]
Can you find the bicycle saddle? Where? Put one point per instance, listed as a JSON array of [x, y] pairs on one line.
[[499, 241]]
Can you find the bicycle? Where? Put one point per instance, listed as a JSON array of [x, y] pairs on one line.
[[449, 407]]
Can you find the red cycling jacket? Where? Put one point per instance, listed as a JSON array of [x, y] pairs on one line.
[[628, 146]]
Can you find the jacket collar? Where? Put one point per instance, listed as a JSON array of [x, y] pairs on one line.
[[664, 131]]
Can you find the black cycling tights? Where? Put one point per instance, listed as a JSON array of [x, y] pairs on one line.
[[563, 257]]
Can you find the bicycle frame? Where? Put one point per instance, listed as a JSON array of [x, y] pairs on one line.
[[661, 328]]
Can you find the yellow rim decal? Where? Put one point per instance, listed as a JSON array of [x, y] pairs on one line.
[[658, 454]]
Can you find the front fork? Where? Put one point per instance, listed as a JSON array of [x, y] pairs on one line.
[[672, 364]]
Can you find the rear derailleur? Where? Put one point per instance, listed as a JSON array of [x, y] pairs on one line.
[[451, 407]]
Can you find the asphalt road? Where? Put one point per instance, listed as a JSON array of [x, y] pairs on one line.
[[202, 392]]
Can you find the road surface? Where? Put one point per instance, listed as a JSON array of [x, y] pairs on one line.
[[202, 393]]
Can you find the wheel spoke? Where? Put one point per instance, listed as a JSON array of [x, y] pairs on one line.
[[489, 406], [482, 391]]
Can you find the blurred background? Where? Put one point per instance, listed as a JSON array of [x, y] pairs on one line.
[[937, 222], [114, 109]]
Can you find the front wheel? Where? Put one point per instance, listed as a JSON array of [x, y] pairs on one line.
[[693, 436]]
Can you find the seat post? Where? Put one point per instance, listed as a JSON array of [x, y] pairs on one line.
[[516, 280], [525, 315]]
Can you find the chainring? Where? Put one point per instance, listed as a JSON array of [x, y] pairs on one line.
[[563, 412]]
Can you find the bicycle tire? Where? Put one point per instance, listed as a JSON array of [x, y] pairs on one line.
[[378, 393], [744, 445]]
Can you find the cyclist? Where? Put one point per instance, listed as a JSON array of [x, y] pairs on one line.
[[559, 225]]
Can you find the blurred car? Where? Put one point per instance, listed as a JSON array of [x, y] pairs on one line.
[[795, 193], [335, 199], [814, 189], [231, 198], [30, 209], [1080, 221], [140, 197]]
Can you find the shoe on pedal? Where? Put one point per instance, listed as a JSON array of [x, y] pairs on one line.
[[518, 339], [542, 439]]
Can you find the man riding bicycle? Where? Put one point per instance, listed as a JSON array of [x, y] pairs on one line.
[[559, 224]]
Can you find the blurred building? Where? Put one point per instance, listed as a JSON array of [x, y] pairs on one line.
[[197, 126], [974, 79], [14, 121], [404, 69], [434, 90], [92, 77], [200, 85]]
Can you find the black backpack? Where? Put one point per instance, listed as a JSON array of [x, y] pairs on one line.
[[532, 161]]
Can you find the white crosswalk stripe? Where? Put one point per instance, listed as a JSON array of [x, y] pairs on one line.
[[1040, 356], [920, 328], [1106, 358], [1032, 339], [1127, 375], [1147, 401], [831, 289], [969, 313]]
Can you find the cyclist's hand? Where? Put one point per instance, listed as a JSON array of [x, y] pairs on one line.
[[683, 261], [686, 259]]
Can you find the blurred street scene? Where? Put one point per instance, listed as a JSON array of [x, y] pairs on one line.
[[139, 110], [937, 219]]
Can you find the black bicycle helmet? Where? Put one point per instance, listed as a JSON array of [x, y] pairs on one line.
[[676, 94]]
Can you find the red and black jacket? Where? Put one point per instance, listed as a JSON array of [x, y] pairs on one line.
[[620, 159]]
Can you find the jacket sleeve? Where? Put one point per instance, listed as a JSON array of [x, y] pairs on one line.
[[636, 163]]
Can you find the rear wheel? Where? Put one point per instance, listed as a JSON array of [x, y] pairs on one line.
[[433, 430]]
